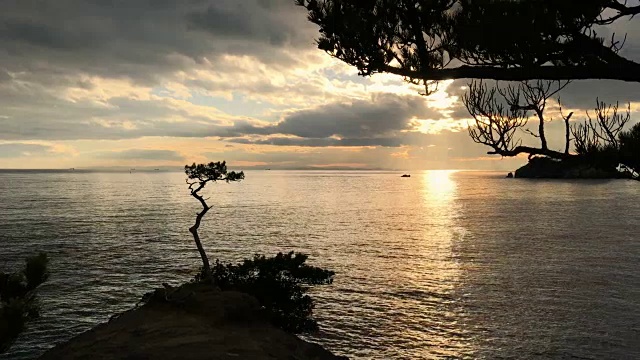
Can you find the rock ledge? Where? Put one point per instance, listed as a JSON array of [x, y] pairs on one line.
[[193, 322]]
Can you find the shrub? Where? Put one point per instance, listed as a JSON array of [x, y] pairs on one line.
[[603, 157], [18, 302], [280, 284]]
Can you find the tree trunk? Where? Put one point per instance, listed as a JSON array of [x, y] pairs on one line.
[[543, 137], [194, 231], [567, 133]]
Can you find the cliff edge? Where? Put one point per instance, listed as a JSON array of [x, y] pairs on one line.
[[190, 322]]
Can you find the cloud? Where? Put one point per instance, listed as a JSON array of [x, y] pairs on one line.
[[144, 39], [322, 142], [15, 150], [141, 154], [247, 72], [265, 21], [444, 150], [583, 94], [383, 120], [44, 116]]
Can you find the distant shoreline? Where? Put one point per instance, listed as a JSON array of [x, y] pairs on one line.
[[180, 170]]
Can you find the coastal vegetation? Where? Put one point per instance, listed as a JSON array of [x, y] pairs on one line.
[[604, 146], [279, 283], [249, 310], [429, 41], [18, 298]]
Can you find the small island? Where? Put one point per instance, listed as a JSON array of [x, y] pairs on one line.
[[604, 146], [547, 168]]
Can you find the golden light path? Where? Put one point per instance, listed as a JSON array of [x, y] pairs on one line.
[[440, 273]]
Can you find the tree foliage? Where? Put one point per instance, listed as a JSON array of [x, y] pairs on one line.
[[424, 40], [18, 302], [198, 176], [280, 284]]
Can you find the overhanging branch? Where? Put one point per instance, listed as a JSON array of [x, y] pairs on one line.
[[629, 72]]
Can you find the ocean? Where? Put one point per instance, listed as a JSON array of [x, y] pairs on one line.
[[440, 265]]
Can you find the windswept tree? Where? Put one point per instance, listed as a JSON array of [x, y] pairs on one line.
[[198, 176], [508, 40], [280, 283]]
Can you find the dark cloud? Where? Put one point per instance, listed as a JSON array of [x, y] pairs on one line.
[[384, 120], [141, 154], [4, 76], [580, 94], [382, 115], [583, 94], [264, 21], [144, 39]]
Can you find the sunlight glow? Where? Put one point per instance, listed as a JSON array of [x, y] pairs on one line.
[[438, 186], [437, 126]]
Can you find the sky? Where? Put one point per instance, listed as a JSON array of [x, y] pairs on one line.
[[162, 83]]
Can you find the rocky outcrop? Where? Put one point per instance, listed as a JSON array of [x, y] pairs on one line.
[[192, 322], [547, 168]]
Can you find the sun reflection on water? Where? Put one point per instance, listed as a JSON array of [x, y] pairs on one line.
[[438, 186], [437, 273]]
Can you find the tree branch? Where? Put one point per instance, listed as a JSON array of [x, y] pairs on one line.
[[531, 151], [629, 72]]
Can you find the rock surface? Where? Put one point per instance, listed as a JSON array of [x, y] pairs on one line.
[[192, 322], [547, 168]]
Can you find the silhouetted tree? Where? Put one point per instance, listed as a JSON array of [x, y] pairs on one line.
[[18, 302], [198, 176], [509, 40], [602, 131], [280, 283], [499, 112], [603, 141], [427, 41]]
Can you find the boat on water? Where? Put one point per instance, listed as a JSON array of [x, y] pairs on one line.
[[405, 175]]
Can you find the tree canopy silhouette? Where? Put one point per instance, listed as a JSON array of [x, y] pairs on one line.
[[493, 39], [198, 176]]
